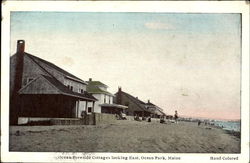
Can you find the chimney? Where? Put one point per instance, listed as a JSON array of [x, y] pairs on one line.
[[119, 96], [20, 46], [17, 83], [119, 89], [90, 79], [148, 101]]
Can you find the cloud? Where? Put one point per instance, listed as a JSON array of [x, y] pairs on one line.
[[158, 25]]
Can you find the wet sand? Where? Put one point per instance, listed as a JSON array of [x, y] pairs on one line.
[[124, 136]]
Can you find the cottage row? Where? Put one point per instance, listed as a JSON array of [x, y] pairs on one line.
[[39, 88]]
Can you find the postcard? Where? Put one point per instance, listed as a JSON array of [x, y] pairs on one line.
[[125, 81]]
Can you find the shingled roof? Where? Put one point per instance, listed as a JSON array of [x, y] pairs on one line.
[[56, 83], [53, 66], [65, 90], [92, 87], [97, 83], [144, 106], [138, 102]]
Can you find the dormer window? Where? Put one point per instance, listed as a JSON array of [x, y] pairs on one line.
[[70, 87]]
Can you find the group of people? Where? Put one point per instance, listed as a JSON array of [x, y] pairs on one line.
[[162, 120], [137, 118]]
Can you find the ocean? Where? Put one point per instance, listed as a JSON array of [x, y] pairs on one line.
[[228, 125]]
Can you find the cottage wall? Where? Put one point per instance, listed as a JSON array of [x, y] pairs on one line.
[[111, 99], [99, 97], [77, 87], [107, 99], [82, 107]]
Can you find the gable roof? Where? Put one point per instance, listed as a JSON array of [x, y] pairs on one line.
[[67, 91], [97, 83], [56, 83], [144, 105], [53, 66], [54, 87], [92, 87], [138, 102]]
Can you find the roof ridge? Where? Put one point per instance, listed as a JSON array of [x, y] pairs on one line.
[[134, 99], [52, 65], [96, 82], [51, 76]]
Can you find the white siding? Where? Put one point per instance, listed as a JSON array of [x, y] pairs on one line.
[[97, 108], [111, 99], [90, 104], [82, 105]]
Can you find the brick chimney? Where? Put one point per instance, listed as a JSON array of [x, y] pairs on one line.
[[90, 79], [119, 96], [20, 46], [15, 98]]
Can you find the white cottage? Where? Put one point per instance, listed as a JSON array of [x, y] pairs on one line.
[[105, 99]]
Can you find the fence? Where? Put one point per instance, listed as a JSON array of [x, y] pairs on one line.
[[91, 119]]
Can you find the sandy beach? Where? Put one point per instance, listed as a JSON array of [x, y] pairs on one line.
[[124, 136]]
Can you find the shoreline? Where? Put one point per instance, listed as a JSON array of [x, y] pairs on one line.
[[124, 136]]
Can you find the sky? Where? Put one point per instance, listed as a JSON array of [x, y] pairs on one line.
[[185, 62]]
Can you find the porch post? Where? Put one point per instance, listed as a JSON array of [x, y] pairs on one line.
[[86, 107], [93, 105], [77, 108]]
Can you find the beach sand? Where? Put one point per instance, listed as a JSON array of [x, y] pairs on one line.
[[124, 136]]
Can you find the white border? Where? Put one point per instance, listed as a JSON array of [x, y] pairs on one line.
[[122, 6]]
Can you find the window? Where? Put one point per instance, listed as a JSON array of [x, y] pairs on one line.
[[71, 88], [68, 86], [89, 109], [109, 99], [104, 98], [82, 91]]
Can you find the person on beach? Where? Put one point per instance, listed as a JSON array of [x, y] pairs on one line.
[[176, 117], [149, 118], [199, 122], [83, 114]]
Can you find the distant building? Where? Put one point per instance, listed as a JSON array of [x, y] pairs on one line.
[[39, 88], [136, 106], [156, 110], [105, 99]]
